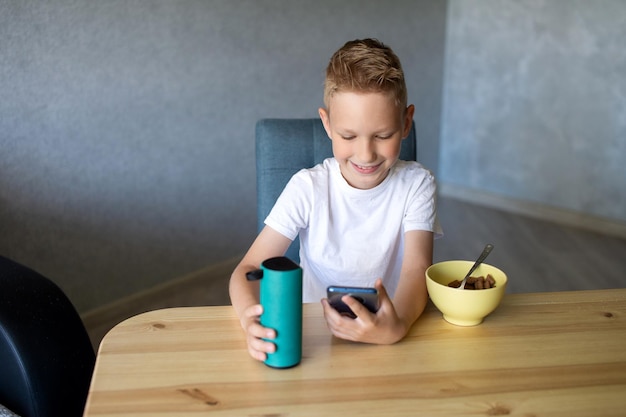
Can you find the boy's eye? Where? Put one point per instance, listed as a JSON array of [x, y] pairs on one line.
[[383, 136], [347, 137]]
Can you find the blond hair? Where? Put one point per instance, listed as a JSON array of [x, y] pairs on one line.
[[365, 65]]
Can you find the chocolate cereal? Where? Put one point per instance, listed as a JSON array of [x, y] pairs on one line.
[[475, 283]]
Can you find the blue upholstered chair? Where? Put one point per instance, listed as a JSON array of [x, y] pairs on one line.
[[46, 357], [283, 147]]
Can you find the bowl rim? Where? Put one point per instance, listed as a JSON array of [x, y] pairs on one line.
[[496, 288]]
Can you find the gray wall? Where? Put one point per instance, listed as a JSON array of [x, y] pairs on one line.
[[127, 127], [535, 102]]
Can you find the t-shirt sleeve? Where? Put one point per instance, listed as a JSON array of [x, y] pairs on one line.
[[292, 208], [421, 212]]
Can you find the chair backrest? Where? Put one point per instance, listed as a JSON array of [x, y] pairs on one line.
[[283, 147], [46, 357]]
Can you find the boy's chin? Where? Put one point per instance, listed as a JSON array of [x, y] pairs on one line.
[[365, 182]]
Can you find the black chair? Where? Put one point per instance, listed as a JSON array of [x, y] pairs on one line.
[[46, 357], [285, 146]]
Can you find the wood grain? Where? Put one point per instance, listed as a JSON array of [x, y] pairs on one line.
[[536, 355]]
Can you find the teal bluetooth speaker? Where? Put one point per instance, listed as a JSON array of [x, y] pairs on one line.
[[281, 298]]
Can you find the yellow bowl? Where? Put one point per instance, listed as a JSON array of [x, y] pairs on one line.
[[463, 307]]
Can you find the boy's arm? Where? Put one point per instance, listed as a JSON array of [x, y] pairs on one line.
[[411, 295]]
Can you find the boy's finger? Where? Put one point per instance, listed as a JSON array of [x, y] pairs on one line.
[[357, 308], [259, 356], [332, 316], [258, 331], [259, 349], [328, 309], [382, 291], [254, 310], [261, 345]]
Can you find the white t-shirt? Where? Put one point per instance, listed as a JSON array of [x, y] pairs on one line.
[[350, 236]]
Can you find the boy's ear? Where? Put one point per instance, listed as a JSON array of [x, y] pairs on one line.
[[325, 120], [408, 120]]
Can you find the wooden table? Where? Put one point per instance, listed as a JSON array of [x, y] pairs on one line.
[[538, 354]]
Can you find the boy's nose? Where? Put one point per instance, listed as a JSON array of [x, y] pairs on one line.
[[366, 152]]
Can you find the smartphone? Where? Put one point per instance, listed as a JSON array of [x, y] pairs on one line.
[[365, 295]]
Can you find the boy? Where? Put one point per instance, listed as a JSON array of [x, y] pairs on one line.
[[364, 217]]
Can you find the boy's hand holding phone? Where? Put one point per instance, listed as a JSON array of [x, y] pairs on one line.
[[382, 327]]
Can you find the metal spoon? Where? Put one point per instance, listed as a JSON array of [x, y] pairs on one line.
[[479, 261]]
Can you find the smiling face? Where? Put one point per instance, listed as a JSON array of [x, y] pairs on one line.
[[367, 130]]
